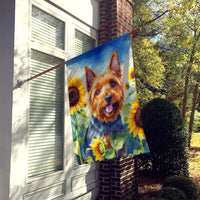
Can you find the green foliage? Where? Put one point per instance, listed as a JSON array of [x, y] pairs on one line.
[[183, 183], [175, 27], [144, 13], [196, 124], [156, 198], [174, 76], [167, 138], [171, 193], [181, 39], [144, 163], [149, 69]]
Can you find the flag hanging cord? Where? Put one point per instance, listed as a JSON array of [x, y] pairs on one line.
[[20, 83]]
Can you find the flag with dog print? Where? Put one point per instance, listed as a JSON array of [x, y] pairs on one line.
[[104, 108]]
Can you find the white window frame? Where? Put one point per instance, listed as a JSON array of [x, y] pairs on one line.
[[53, 51], [19, 162]]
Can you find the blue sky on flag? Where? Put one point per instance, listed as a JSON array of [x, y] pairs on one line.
[[100, 56]]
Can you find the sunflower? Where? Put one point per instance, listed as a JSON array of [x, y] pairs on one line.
[[136, 98], [131, 74], [126, 86], [134, 121], [76, 94], [98, 148]]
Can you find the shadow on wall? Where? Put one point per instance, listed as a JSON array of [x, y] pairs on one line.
[[34, 146]]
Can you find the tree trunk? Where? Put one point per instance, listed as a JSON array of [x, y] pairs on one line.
[[185, 91], [188, 74], [193, 109]]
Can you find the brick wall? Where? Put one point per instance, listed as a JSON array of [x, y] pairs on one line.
[[115, 19], [118, 177]]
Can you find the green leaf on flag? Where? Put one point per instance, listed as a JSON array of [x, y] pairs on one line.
[[110, 154], [117, 141], [89, 159]]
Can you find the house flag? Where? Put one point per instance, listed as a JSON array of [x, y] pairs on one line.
[[104, 108]]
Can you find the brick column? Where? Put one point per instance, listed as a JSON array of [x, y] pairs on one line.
[[115, 19], [118, 177], [105, 180], [123, 178]]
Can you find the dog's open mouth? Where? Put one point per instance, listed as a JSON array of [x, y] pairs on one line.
[[109, 108]]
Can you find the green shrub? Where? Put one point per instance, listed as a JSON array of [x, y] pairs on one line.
[[167, 138], [144, 163], [171, 193], [156, 198], [183, 183]]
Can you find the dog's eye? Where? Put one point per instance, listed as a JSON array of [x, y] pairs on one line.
[[97, 92], [113, 84]]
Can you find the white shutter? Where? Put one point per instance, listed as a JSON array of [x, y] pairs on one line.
[[45, 141], [83, 42], [46, 28]]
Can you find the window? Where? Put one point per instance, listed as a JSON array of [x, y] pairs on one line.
[[41, 163], [47, 29], [45, 139], [83, 42], [46, 104]]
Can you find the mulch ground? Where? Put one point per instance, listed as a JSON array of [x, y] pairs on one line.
[[149, 186]]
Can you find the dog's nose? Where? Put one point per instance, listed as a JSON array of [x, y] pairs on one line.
[[108, 98]]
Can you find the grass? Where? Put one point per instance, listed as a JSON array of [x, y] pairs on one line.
[[194, 159], [195, 141]]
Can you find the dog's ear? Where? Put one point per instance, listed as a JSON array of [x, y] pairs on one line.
[[114, 63], [89, 76]]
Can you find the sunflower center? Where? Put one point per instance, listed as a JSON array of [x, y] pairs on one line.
[[132, 75], [138, 120], [73, 95], [126, 86]]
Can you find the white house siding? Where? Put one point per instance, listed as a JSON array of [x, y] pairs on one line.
[[85, 10], [15, 44], [6, 87]]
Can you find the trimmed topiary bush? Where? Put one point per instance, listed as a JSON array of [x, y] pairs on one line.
[[167, 138], [156, 198], [144, 163], [171, 193], [183, 183]]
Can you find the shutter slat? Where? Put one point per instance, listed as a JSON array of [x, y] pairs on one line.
[[45, 148], [48, 169], [38, 140]]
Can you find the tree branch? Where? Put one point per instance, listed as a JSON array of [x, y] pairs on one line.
[[150, 21], [149, 87]]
